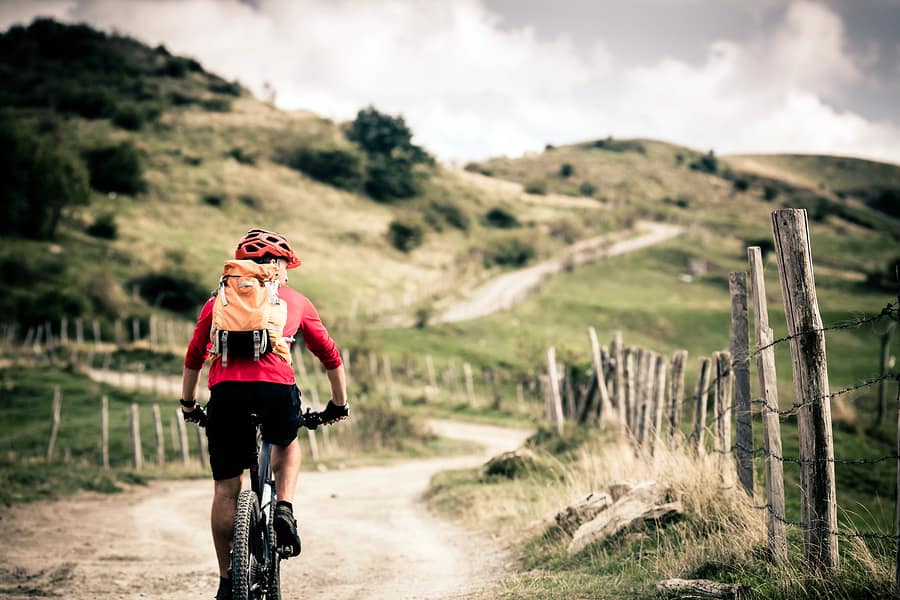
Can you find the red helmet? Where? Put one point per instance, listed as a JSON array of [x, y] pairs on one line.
[[257, 243]]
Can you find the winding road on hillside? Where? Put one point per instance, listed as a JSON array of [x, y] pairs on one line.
[[366, 534], [507, 290]]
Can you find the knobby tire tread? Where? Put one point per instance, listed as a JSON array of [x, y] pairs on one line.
[[242, 555]]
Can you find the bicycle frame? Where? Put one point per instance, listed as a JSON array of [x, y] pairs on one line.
[[262, 480]]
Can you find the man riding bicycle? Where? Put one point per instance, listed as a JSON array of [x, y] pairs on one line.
[[263, 385]]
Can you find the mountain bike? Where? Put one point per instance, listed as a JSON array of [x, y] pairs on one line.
[[255, 556]]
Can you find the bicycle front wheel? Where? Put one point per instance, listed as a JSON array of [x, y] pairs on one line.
[[244, 564], [274, 588]]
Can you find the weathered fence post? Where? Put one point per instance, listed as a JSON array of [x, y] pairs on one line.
[[183, 438], [134, 422], [470, 384], [119, 333], [79, 332], [54, 421], [160, 439], [556, 413], [882, 371], [64, 331], [647, 381], [95, 331], [345, 358], [740, 353], [597, 358], [676, 398], [204, 447], [628, 396], [660, 404], [798, 290], [722, 420], [897, 507], [617, 355], [701, 396], [520, 398], [104, 431], [389, 382], [429, 368], [768, 385]]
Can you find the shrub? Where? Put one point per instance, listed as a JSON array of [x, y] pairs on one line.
[[565, 229], [129, 117], [536, 187], [240, 155], [886, 279], [566, 170], [104, 227], [250, 201], [117, 168], [680, 202], [214, 199], [216, 104], [707, 163], [679, 159], [512, 251], [220, 86], [340, 167], [39, 179], [173, 290], [40, 288], [390, 178], [474, 167], [439, 212], [90, 103], [173, 67], [549, 147], [741, 185], [180, 99], [587, 189], [613, 145], [770, 193], [405, 235], [498, 217]]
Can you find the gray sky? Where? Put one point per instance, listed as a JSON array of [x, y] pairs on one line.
[[476, 78]]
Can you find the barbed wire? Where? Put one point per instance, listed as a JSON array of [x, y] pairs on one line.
[[872, 535], [840, 392], [891, 310], [800, 461]]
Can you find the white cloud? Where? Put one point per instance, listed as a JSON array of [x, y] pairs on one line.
[[471, 86]]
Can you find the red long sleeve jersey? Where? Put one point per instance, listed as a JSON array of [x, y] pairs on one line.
[[302, 319]]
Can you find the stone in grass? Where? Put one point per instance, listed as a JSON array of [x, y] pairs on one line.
[[649, 489], [627, 515], [514, 464], [698, 588], [571, 517]]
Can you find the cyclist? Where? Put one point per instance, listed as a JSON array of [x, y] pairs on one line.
[[265, 387]]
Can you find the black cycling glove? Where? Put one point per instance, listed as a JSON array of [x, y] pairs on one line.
[[334, 413], [198, 416]]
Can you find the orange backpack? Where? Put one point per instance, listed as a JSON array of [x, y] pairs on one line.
[[248, 316]]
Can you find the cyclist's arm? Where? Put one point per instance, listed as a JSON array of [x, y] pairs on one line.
[[190, 381], [195, 355], [338, 385]]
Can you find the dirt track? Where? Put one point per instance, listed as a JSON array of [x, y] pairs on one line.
[[366, 534]]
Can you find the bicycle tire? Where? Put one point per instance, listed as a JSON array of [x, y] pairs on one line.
[[274, 588], [243, 563]]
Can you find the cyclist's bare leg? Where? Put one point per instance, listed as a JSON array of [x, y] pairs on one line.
[[224, 506], [286, 466]]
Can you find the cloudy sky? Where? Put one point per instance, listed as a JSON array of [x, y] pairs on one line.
[[477, 78]]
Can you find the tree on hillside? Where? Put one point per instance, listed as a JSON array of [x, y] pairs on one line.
[[391, 155], [38, 180]]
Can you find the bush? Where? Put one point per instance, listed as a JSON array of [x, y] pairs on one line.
[[498, 217], [474, 167], [587, 189], [173, 67], [216, 104], [40, 288], [225, 87], [340, 167], [240, 155], [536, 187], [886, 279], [707, 163], [567, 230], [39, 179], [180, 99], [389, 178], [514, 252], [770, 193], [566, 170], [405, 235], [129, 117], [104, 227], [118, 168], [741, 185], [439, 212], [214, 199], [612, 145], [90, 102], [173, 290]]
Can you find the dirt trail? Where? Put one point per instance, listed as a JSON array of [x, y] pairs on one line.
[[507, 290], [366, 533]]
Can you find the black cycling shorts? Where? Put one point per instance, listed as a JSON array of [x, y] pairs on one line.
[[230, 429]]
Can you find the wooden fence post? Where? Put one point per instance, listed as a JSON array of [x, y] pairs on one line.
[[389, 382], [676, 398], [768, 385], [135, 330], [95, 331], [134, 423], [804, 325], [628, 396], [701, 396], [470, 385], [313, 446], [520, 398], [659, 404], [647, 383], [79, 332], [740, 353], [345, 358], [54, 422], [897, 507], [204, 447], [160, 438], [182, 438], [64, 332], [119, 332], [104, 431], [599, 370], [373, 367], [617, 355], [722, 421], [491, 377], [429, 368], [556, 413], [882, 371]]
